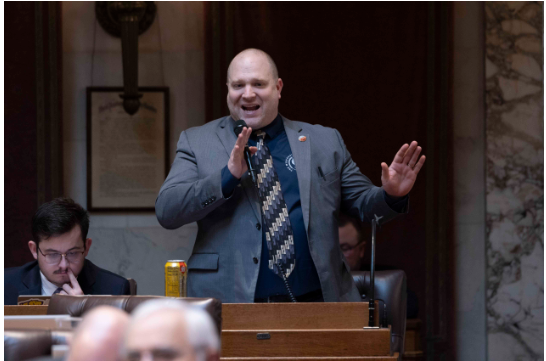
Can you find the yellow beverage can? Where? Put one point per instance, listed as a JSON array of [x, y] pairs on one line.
[[176, 275]]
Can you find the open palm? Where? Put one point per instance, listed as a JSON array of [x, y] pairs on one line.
[[398, 178]]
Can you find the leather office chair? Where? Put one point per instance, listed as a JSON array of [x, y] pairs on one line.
[[77, 306], [132, 286], [24, 344], [390, 286]]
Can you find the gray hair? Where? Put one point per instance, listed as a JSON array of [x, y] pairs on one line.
[[202, 333]]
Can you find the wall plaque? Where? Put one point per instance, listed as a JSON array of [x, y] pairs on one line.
[[127, 155]]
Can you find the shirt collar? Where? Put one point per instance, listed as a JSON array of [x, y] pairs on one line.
[[47, 287], [274, 128]]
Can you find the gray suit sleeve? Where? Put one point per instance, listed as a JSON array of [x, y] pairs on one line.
[[184, 196], [359, 197]]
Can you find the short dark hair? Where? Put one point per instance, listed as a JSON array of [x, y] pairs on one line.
[[58, 217], [345, 219]]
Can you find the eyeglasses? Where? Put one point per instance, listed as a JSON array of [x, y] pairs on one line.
[[55, 258], [346, 248]]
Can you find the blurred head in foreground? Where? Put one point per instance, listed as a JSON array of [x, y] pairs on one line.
[[167, 329], [100, 335]]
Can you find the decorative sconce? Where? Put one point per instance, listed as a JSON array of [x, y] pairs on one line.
[[127, 19]]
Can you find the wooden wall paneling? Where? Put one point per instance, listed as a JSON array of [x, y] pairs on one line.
[[33, 142], [20, 179], [219, 34], [48, 99], [440, 321]]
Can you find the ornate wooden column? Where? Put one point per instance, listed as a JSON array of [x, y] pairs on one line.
[[33, 126]]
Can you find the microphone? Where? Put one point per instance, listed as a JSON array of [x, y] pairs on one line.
[[237, 129]]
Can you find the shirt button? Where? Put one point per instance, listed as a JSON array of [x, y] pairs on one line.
[[255, 260], [258, 226]]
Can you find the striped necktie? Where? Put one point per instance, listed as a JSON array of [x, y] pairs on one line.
[[278, 231]]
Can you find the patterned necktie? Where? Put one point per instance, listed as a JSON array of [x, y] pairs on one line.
[[278, 231]]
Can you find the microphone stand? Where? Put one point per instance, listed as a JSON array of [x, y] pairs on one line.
[[371, 306]]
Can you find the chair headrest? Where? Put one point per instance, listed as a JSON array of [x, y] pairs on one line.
[[23, 344], [77, 306]]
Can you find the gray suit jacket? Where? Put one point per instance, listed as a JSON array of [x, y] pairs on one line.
[[229, 235]]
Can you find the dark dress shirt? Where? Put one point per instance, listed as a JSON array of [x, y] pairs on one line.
[[304, 277]]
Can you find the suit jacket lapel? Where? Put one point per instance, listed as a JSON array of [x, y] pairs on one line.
[[226, 135], [228, 138], [32, 281], [301, 151]]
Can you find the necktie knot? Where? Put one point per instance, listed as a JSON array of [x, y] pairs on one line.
[[260, 134], [58, 290]]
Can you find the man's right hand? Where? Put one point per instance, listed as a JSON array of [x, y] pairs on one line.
[[72, 288], [237, 164]]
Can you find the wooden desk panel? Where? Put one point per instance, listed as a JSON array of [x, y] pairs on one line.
[[12, 310], [311, 343], [295, 316], [46, 322], [326, 358]]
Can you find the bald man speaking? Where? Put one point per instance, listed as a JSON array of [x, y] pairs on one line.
[[273, 237]]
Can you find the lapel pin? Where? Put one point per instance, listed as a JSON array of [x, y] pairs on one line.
[[302, 138]]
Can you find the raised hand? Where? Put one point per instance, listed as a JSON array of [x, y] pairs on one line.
[[398, 178], [74, 287], [236, 164]]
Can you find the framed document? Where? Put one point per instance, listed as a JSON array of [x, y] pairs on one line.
[[127, 155]]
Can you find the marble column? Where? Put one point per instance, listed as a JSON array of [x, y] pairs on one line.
[[469, 179], [514, 180]]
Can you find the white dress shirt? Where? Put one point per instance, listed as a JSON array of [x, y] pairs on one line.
[[47, 287]]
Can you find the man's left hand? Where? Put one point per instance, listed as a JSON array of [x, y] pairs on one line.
[[72, 288], [399, 177]]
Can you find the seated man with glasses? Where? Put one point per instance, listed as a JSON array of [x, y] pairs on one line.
[[352, 242], [59, 247]]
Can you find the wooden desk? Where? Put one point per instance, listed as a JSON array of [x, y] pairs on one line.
[[412, 347], [302, 331], [291, 316], [314, 331], [45, 322], [24, 310]]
